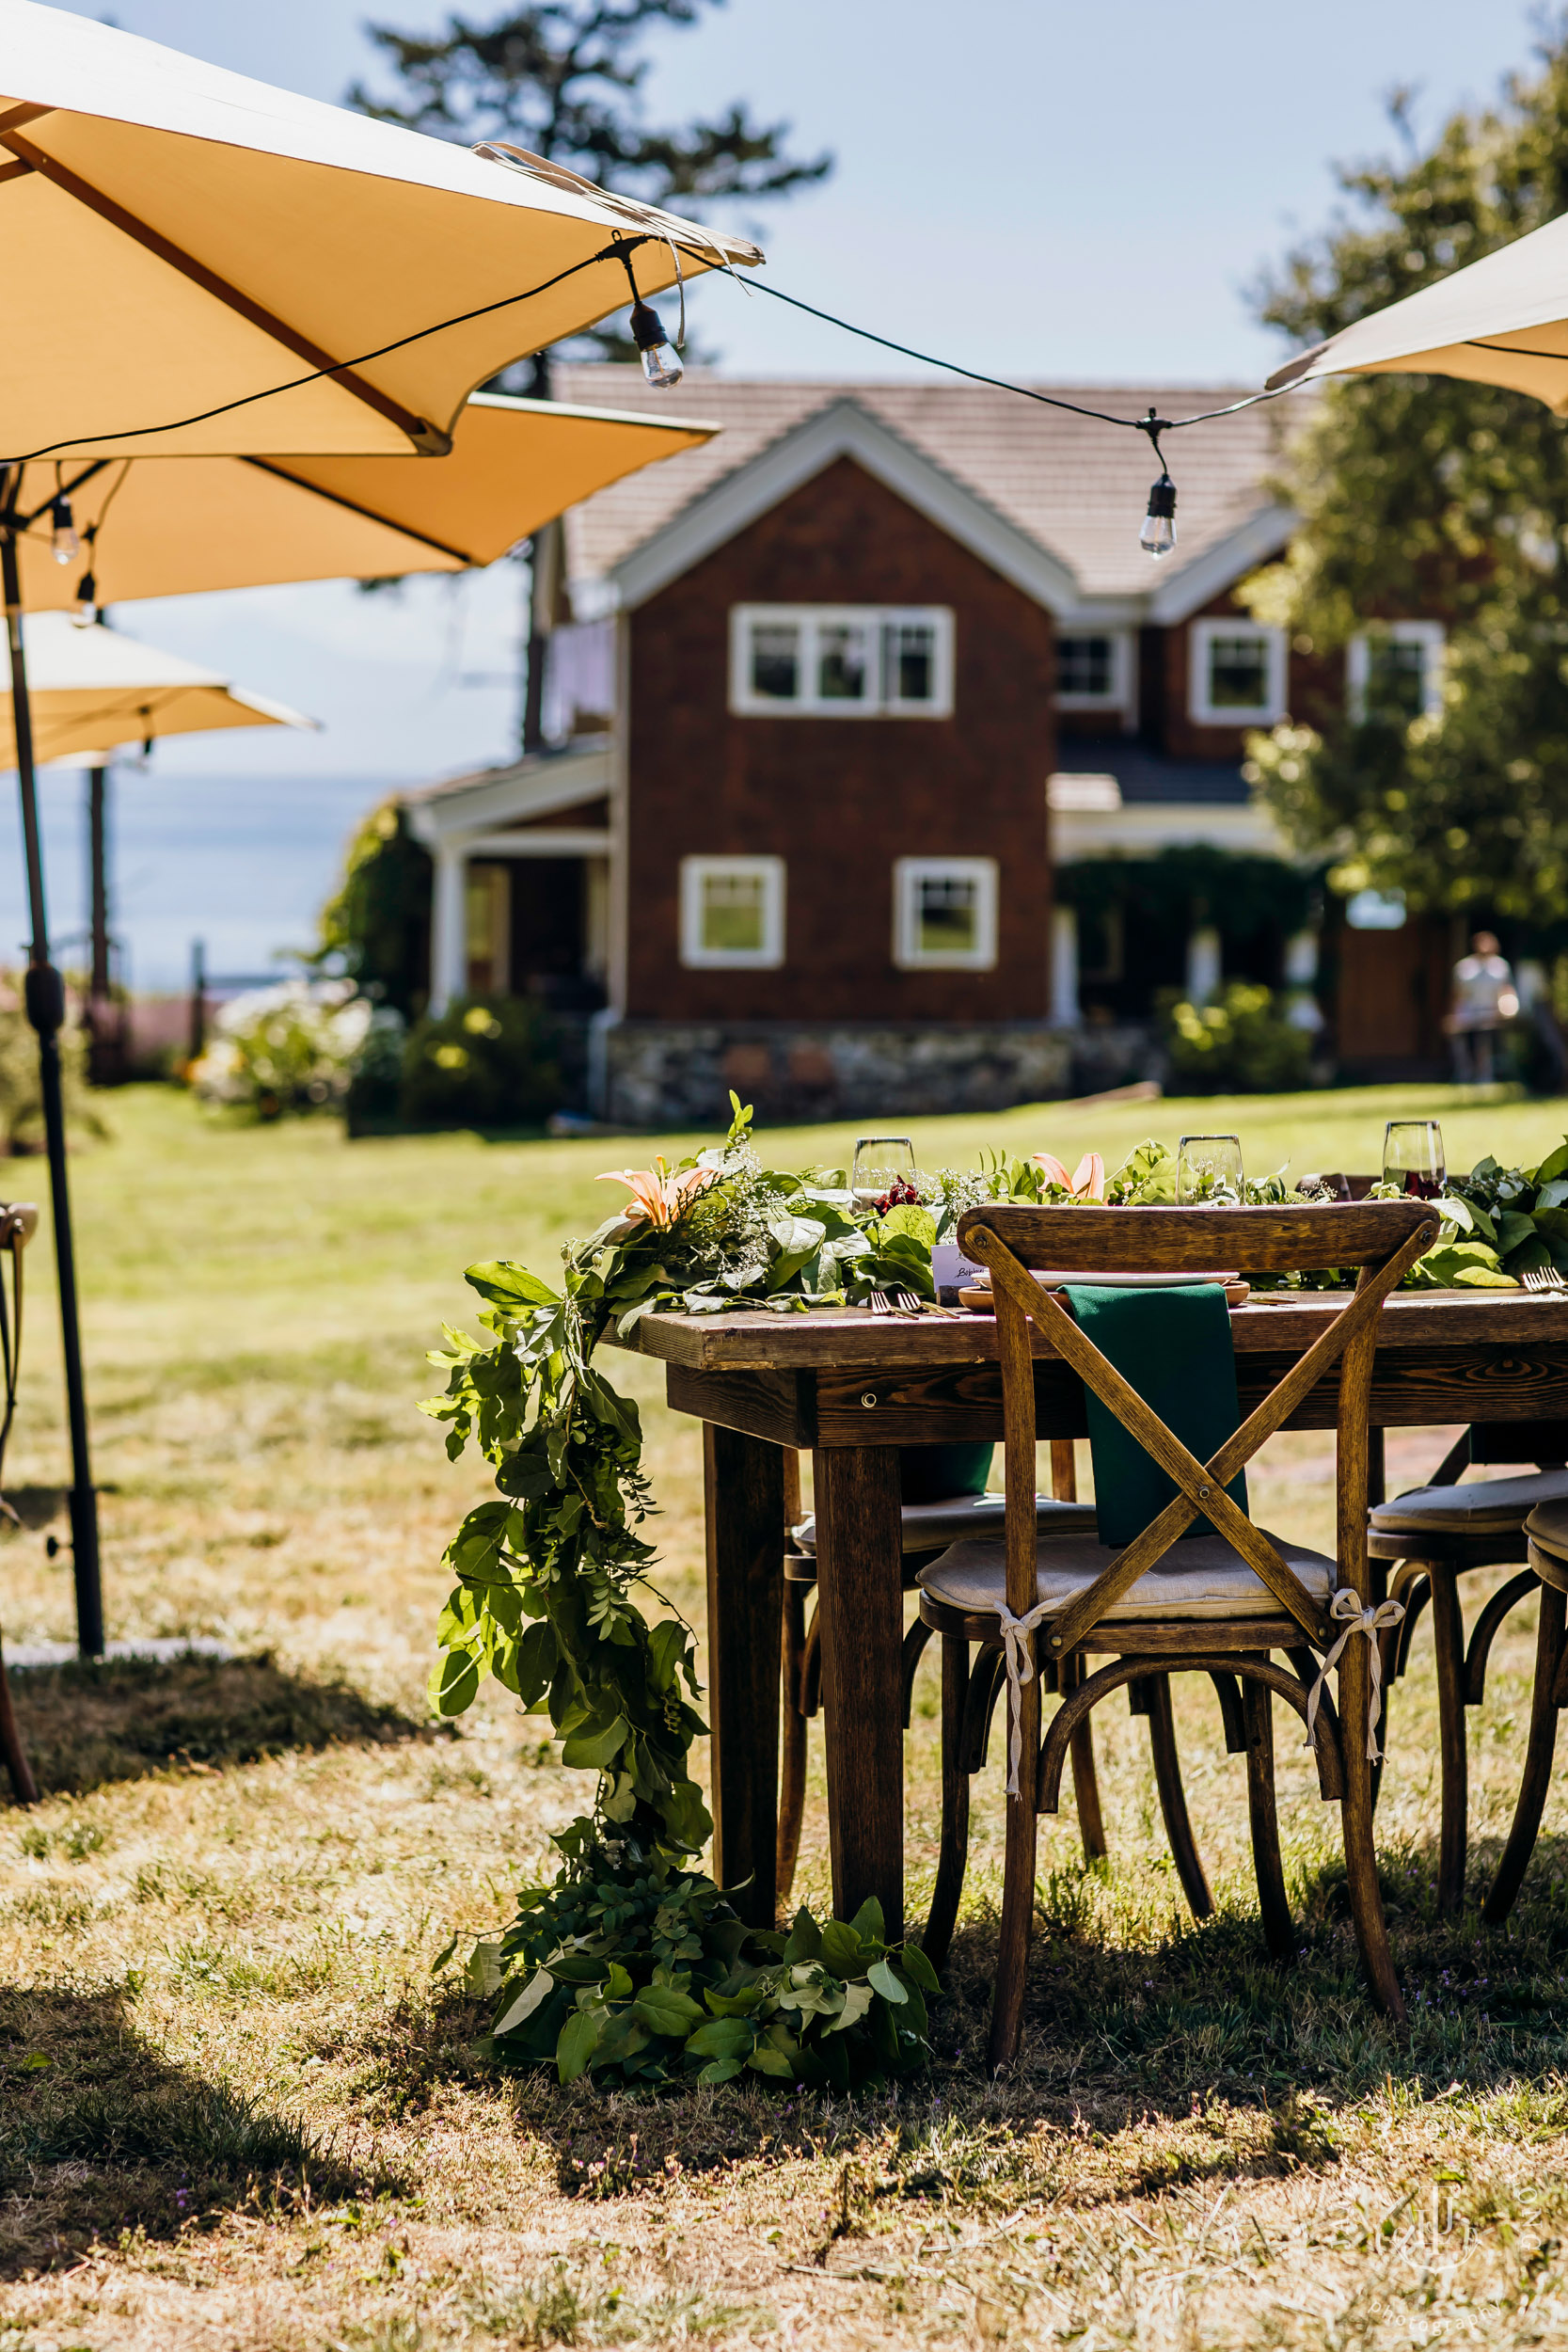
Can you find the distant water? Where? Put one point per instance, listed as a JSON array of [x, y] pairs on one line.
[[241, 863]]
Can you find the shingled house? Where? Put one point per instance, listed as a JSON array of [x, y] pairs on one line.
[[862, 710]]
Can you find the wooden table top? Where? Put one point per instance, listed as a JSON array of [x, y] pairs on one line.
[[825, 1336]]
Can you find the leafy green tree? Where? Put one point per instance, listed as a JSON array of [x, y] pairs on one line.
[[376, 924], [1424, 496], [564, 79]]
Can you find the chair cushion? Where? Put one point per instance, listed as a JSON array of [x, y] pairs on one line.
[[1547, 1527], [927, 1525], [1201, 1576], [1489, 1507]]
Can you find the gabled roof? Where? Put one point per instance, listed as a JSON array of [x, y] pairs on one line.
[[1066, 493]]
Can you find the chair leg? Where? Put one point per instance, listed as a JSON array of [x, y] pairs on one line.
[[1538, 1750], [1018, 1891], [25, 1786], [792, 1755], [1086, 1780], [1447, 1633], [953, 1856], [1172, 1801], [1258, 1716], [1355, 1815]]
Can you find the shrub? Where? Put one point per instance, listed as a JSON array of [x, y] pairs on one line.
[[21, 1097], [1238, 1045], [376, 926], [485, 1062], [290, 1048]]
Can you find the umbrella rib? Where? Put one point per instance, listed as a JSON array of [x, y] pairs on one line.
[[427, 439], [351, 506]]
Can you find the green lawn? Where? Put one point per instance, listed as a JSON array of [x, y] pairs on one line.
[[234, 2112]]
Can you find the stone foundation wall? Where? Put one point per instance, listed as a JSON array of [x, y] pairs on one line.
[[650, 1073]]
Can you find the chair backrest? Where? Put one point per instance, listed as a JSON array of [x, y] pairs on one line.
[[1381, 1238]]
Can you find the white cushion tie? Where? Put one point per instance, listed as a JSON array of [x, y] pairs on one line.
[[1346, 1610], [1019, 1661]]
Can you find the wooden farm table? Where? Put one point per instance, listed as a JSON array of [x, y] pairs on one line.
[[853, 1388]]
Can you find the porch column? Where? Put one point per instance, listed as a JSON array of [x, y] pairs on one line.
[[449, 927], [1064, 968]]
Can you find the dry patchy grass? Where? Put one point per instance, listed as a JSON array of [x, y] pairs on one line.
[[237, 2113]]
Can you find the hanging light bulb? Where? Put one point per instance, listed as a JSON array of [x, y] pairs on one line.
[[86, 614], [1157, 536], [68, 539], [661, 361]]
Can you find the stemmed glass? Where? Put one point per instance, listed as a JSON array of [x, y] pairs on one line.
[[1413, 1157], [1208, 1169], [881, 1162]]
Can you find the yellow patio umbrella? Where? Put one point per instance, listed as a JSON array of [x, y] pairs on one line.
[[194, 265], [93, 689], [170, 526], [194, 261], [1501, 320]]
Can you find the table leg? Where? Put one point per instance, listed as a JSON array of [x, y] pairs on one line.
[[744, 1494], [860, 1609]]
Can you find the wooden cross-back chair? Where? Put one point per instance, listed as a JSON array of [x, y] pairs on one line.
[[1233, 1599], [18, 1224]]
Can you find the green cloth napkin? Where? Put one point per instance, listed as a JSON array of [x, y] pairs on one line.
[[934, 1473], [1175, 1347]]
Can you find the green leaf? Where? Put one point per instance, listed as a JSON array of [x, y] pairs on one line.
[[857, 2000], [765, 2059], [579, 2039], [1553, 1165], [537, 1990], [510, 1287], [805, 1938], [719, 2071], [867, 1922], [454, 1682], [882, 1979], [595, 1746], [665, 2008], [913, 1964], [841, 1949], [723, 2037], [918, 1223]]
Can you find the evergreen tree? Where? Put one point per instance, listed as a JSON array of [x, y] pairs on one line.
[[1424, 496]]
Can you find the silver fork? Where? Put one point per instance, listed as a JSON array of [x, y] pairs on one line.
[[1543, 1284], [894, 1303]]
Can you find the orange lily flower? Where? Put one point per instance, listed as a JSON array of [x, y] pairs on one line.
[[1087, 1181], [657, 1193]]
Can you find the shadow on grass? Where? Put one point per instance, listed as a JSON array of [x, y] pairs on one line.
[[100, 2134], [117, 1719]]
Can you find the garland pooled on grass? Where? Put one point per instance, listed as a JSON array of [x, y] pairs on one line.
[[632, 1965]]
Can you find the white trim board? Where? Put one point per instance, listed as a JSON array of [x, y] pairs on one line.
[[499, 796]]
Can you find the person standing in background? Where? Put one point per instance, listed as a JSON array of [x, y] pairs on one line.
[[1484, 996]]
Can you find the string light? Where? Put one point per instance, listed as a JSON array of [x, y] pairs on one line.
[[67, 538], [1157, 536], [662, 361], [86, 614]]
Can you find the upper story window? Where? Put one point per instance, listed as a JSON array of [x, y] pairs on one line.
[[1094, 670], [1237, 674], [1394, 670], [841, 661], [945, 913], [733, 912]]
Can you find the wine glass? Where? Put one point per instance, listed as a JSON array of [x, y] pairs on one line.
[[1209, 1170], [1413, 1157], [881, 1162]]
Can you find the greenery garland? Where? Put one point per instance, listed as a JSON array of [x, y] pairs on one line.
[[632, 1963]]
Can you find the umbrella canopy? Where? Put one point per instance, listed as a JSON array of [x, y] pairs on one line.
[[194, 262], [162, 527], [93, 688], [1502, 320]]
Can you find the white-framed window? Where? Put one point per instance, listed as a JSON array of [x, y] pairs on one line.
[[1237, 674], [1394, 669], [733, 912], [841, 662], [944, 914], [1094, 668]]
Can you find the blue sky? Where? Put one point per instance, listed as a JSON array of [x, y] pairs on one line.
[[1079, 192]]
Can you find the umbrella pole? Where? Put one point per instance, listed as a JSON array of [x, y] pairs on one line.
[[45, 1002]]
